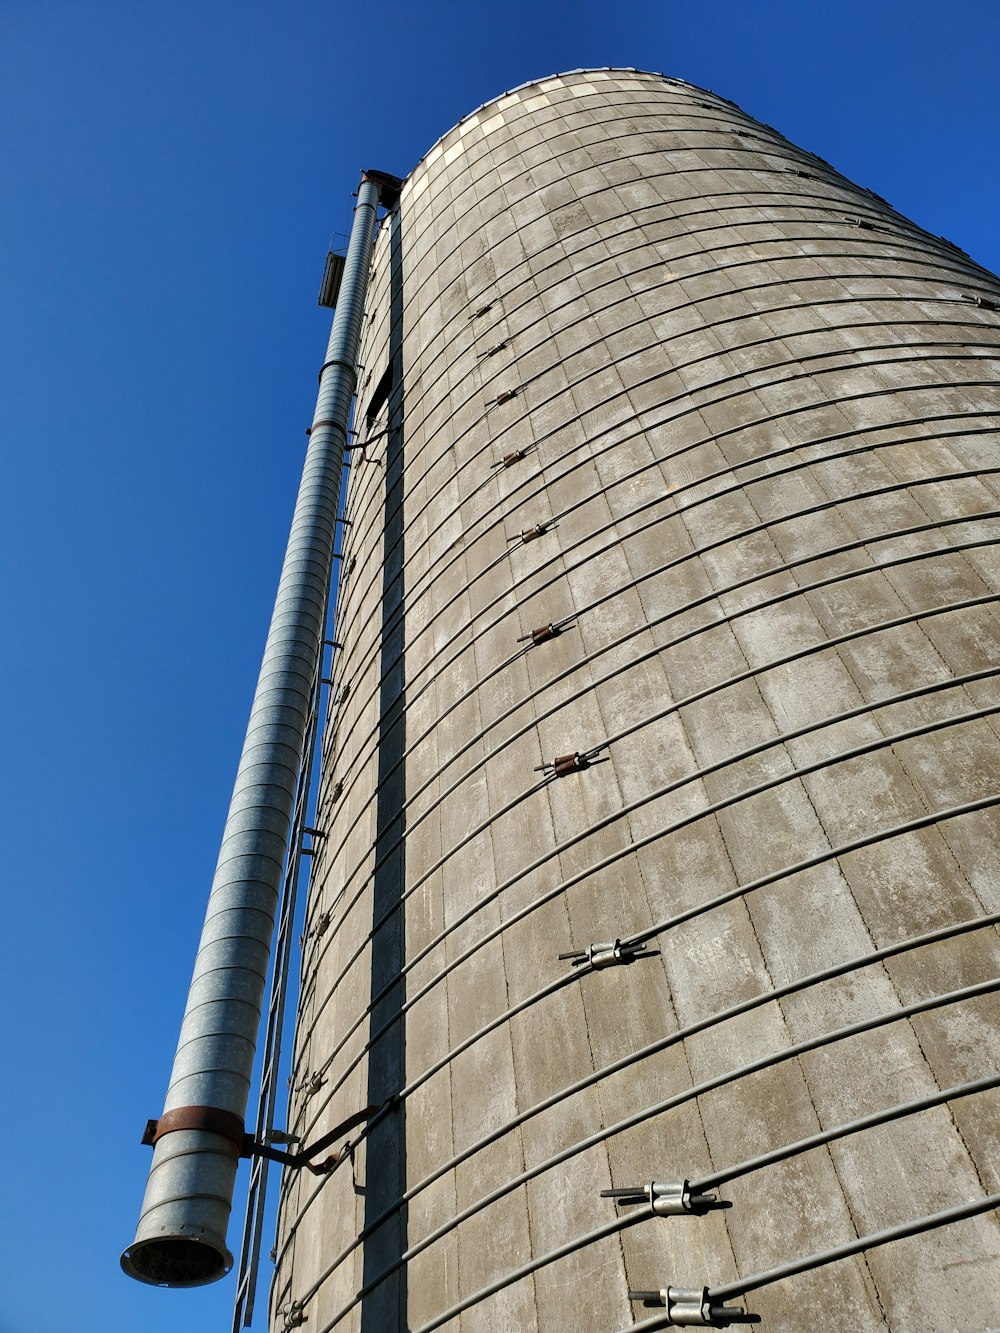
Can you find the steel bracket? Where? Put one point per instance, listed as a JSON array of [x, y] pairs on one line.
[[230, 1127]]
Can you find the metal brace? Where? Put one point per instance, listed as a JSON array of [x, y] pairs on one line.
[[665, 1199], [229, 1127], [604, 955], [688, 1305]]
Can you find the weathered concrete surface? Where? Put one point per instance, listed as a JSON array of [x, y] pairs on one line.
[[757, 437]]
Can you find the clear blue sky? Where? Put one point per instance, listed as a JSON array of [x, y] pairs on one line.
[[171, 177]]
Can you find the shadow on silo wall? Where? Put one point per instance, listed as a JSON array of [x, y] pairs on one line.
[[383, 1309]]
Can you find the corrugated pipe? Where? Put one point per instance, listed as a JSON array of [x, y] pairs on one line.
[[181, 1237]]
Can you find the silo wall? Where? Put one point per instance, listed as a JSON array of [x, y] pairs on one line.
[[639, 370]]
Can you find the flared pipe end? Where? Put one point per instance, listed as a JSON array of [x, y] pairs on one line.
[[176, 1261]]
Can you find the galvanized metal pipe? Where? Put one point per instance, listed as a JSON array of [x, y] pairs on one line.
[[181, 1237]]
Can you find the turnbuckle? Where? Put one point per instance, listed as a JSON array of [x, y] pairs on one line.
[[689, 1305], [604, 955], [666, 1199]]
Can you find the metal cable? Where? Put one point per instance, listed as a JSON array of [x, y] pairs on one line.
[[897, 1112], [674, 708], [438, 569], [945, 1217], [612, 1228], [486, 676], [769, 784], [856, 196], [514, 269], [670, 1103], [923, 940], [430, 405], [621, 811], [684, 397], [723, 541], [441, 569]]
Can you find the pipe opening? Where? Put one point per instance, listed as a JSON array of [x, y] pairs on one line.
[[176, 1261]]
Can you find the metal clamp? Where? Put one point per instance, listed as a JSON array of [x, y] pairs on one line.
[[597, 956], [492, 351], [294, 1316], [339, 361], [983, 302], [688, 1305], [326, 421], [665, 1199], [504, 397]]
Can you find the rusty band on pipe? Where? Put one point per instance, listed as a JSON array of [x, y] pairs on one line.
[[326, 420], [338, 361], [212, 1119]]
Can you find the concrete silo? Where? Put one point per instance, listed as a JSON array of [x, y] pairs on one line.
[[659, 790], [654, 887]]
